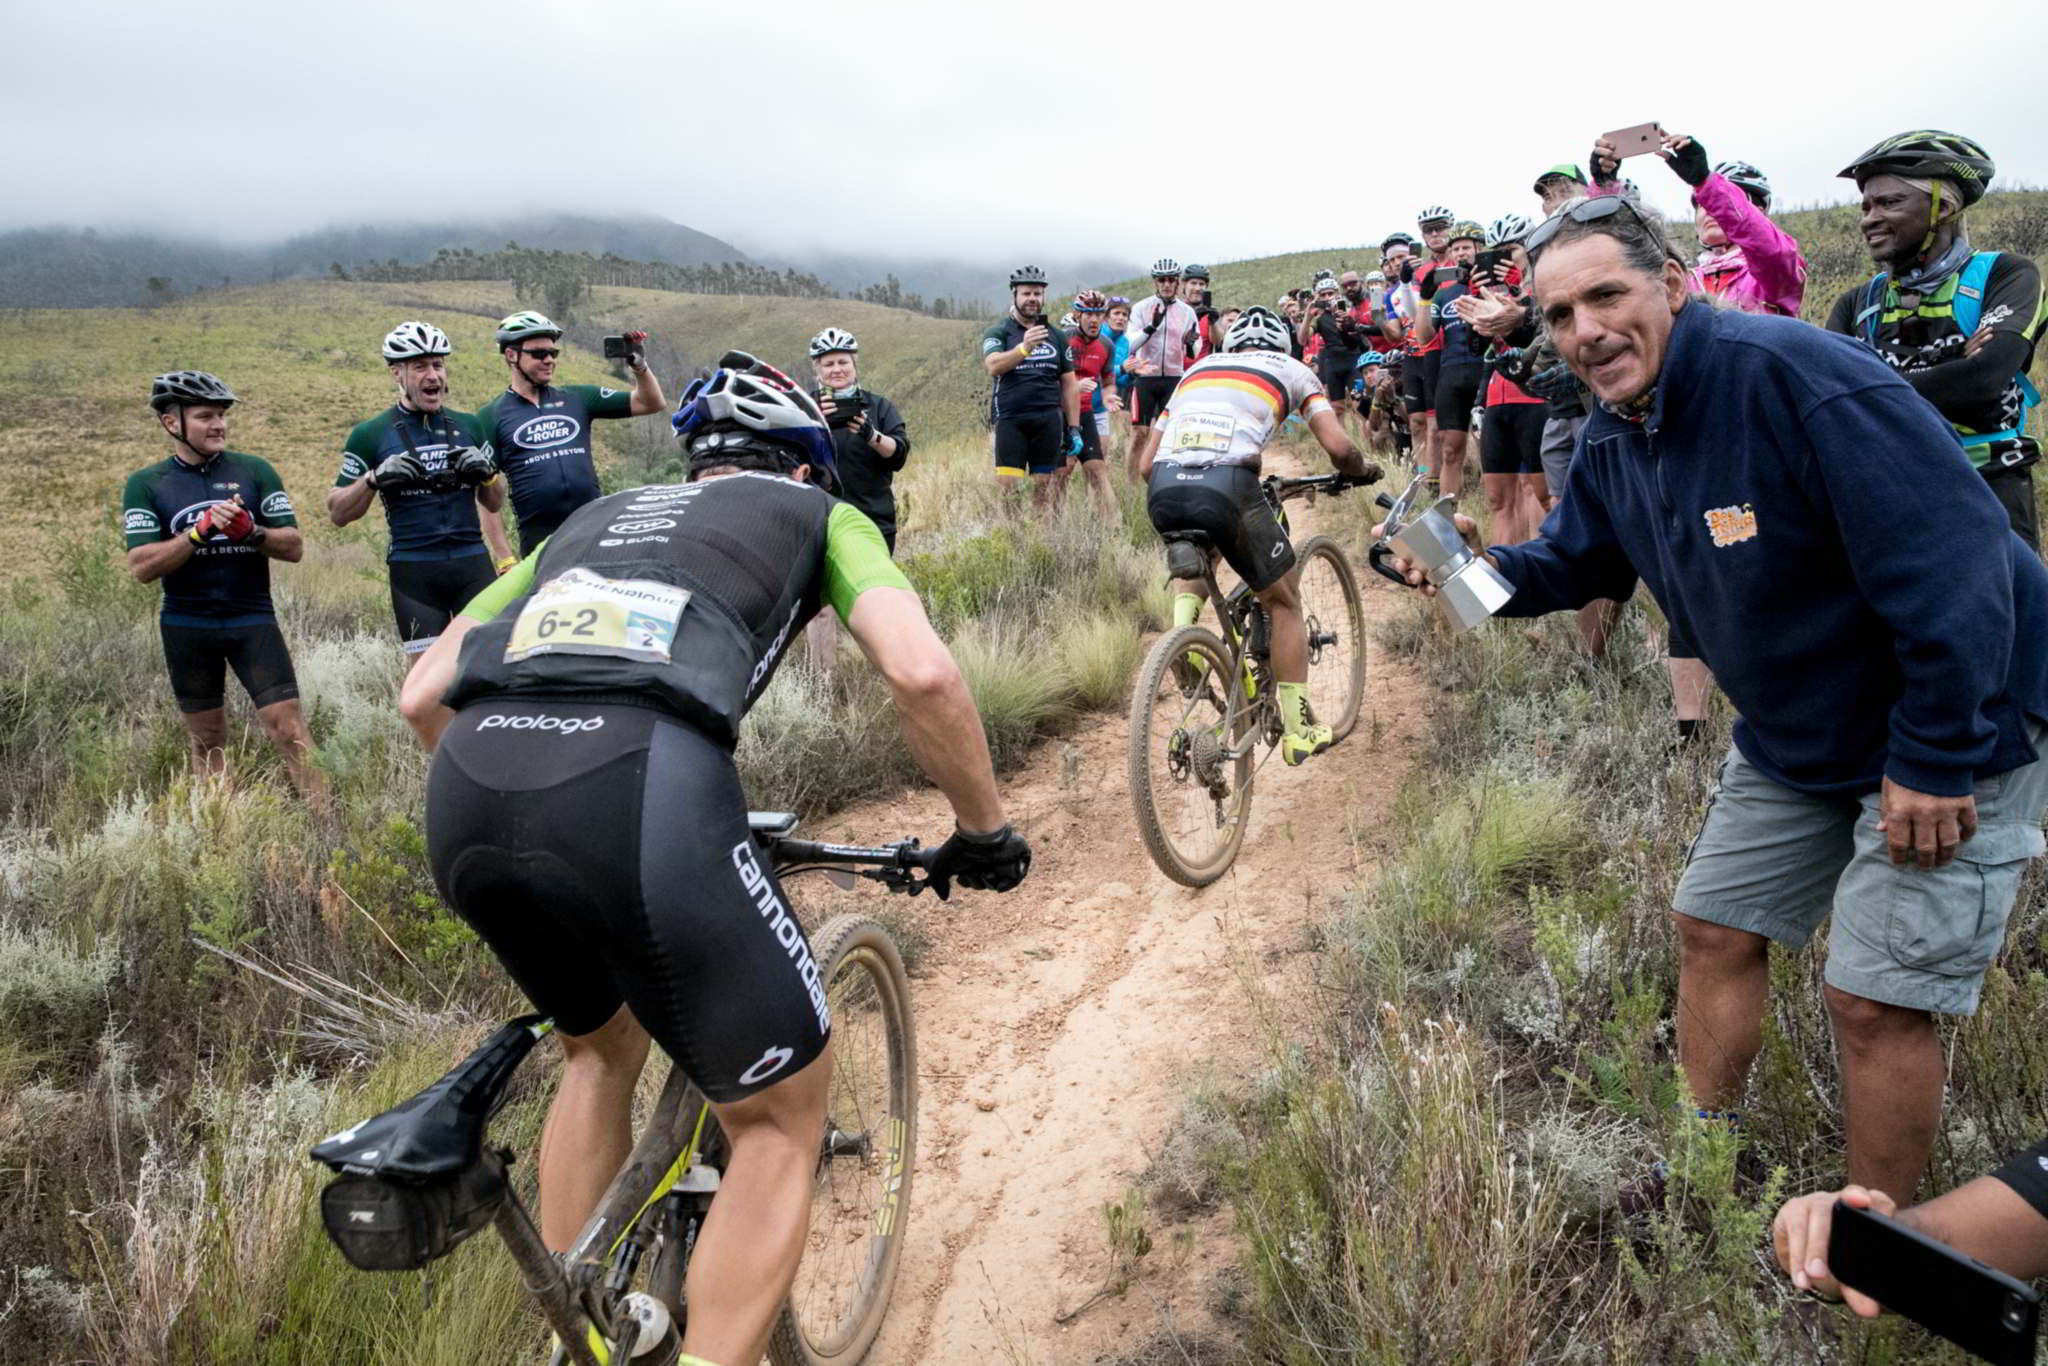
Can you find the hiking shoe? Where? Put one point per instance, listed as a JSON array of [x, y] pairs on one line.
[[1296, 749]]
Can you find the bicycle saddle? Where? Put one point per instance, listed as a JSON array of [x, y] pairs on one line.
[[440, 1131], [1186, 554]]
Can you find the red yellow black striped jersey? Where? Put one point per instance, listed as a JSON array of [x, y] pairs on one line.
[[1227, 407]]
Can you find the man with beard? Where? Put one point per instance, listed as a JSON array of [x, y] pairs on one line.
[[433, 468], [1194, 291], [1089, 354], [540, 430], [1036, 402], [1958, 325]]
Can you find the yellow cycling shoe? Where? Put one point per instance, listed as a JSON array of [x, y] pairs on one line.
[[1296, 749]]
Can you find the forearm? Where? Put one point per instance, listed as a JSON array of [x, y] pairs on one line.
[[647, 395], [492, 521], [944, 733], [1070, 399], [148, 563], [1003, 362], [1988, 1220], [419, 700], [1972, 381], [350, 501], [490, 496], [285, 543]]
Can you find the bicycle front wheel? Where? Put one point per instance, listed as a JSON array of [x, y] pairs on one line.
[[1192, 797], [1335, 616], [861, 1196]]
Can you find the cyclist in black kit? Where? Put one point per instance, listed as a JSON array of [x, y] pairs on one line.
[[584, 814]]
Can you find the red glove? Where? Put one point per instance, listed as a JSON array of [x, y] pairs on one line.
[[636, 347], [203, 527], [233, 521]]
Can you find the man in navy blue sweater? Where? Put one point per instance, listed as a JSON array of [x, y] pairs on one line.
[[1812, 529]]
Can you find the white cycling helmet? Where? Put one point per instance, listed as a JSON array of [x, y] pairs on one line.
[[1375, 277], [1164, 267], [411, 339], [1067, 323], [833, 339], [1509, 227], [1435, 213], [1257, 329], [523, 324]]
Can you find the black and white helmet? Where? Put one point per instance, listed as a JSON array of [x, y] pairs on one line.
[[1257, 329], [1165, 267], [1435, 213], [1747, 179], [1026, 275], [833, 339], [523, 324], [182, 387], [1509, 227], [411, 339]]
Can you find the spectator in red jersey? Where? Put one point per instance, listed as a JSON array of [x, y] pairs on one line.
[[1091, 355], [1194, 291]]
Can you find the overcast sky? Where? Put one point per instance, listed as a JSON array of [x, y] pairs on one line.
[[960, 129]]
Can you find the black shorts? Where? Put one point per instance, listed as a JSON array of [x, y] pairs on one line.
[[1091, 438], [1418, 381], [200, 656], [603, 854], [426, 594], [1031, 443], [1149, 397], [1222, 502], [1337, 369], [1512, 440], [1457, 391]]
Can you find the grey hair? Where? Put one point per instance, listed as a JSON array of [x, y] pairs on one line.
[[1644, 244]]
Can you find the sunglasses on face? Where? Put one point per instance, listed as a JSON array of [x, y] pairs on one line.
[[1590, 211], [539, 352]]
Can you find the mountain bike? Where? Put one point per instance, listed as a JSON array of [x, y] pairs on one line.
[[1205, 703], [419, 1178]]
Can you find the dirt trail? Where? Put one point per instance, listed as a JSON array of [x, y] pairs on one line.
[[1059, 1028]]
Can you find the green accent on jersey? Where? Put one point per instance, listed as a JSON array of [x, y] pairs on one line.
[[856, 559]]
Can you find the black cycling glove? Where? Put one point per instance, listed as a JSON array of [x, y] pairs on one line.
[[994, 862], [473, 466], [1689, 163], [401, 471]]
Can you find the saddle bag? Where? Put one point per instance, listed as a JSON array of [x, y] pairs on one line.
[[383, 1223]]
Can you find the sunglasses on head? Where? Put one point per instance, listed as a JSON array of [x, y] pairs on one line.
[[1586, 211], [540, 352]]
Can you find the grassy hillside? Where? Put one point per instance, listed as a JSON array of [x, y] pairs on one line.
[[303, 357]]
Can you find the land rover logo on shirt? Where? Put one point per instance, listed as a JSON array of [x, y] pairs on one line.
[[185, 518], [278, 504], [545, 431], [141, 519]]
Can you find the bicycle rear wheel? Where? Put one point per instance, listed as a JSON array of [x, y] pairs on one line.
[[1336, 635], [861, 1198], [1192, 798]]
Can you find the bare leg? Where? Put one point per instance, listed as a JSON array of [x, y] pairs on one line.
[[1451, 476], [1290, 629], [1098, 482], [1502, 507], [208, 732], [1535, 496], [1691, 681], [1892, 1079], [1723, 978], [589, 1128], [754, 1235], [1596, 619], [285, 723]]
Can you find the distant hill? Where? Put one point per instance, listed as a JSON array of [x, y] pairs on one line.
[[986, 281], [83, 268]]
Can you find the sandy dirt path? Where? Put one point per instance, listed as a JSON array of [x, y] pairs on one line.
[[1060, 1027]]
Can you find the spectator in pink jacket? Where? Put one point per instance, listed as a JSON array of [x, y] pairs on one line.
[[1748, 260]]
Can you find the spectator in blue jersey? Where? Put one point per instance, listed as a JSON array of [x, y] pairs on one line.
[[432, 467], [540, 431], [1115, 331], [1890, 673], [207, 522]]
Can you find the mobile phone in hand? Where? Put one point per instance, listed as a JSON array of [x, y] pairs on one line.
[[1635, 141], [617, 348], [1979, 1309]]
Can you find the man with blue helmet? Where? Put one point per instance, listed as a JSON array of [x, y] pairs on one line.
[[585, 815]]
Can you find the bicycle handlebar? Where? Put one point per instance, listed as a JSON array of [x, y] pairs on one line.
[[896, 866]]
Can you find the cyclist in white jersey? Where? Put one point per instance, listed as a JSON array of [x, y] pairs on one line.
[[1202, 470]]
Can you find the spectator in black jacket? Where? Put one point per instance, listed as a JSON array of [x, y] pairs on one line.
[[868, 436]]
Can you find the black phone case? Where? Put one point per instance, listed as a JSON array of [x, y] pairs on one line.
[[615, 348], [1979, 1309]]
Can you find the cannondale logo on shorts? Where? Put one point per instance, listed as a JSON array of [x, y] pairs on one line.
[[566, 725], [773, 1061]]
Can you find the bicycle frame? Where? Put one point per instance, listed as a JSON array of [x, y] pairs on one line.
[[577, 1293]]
